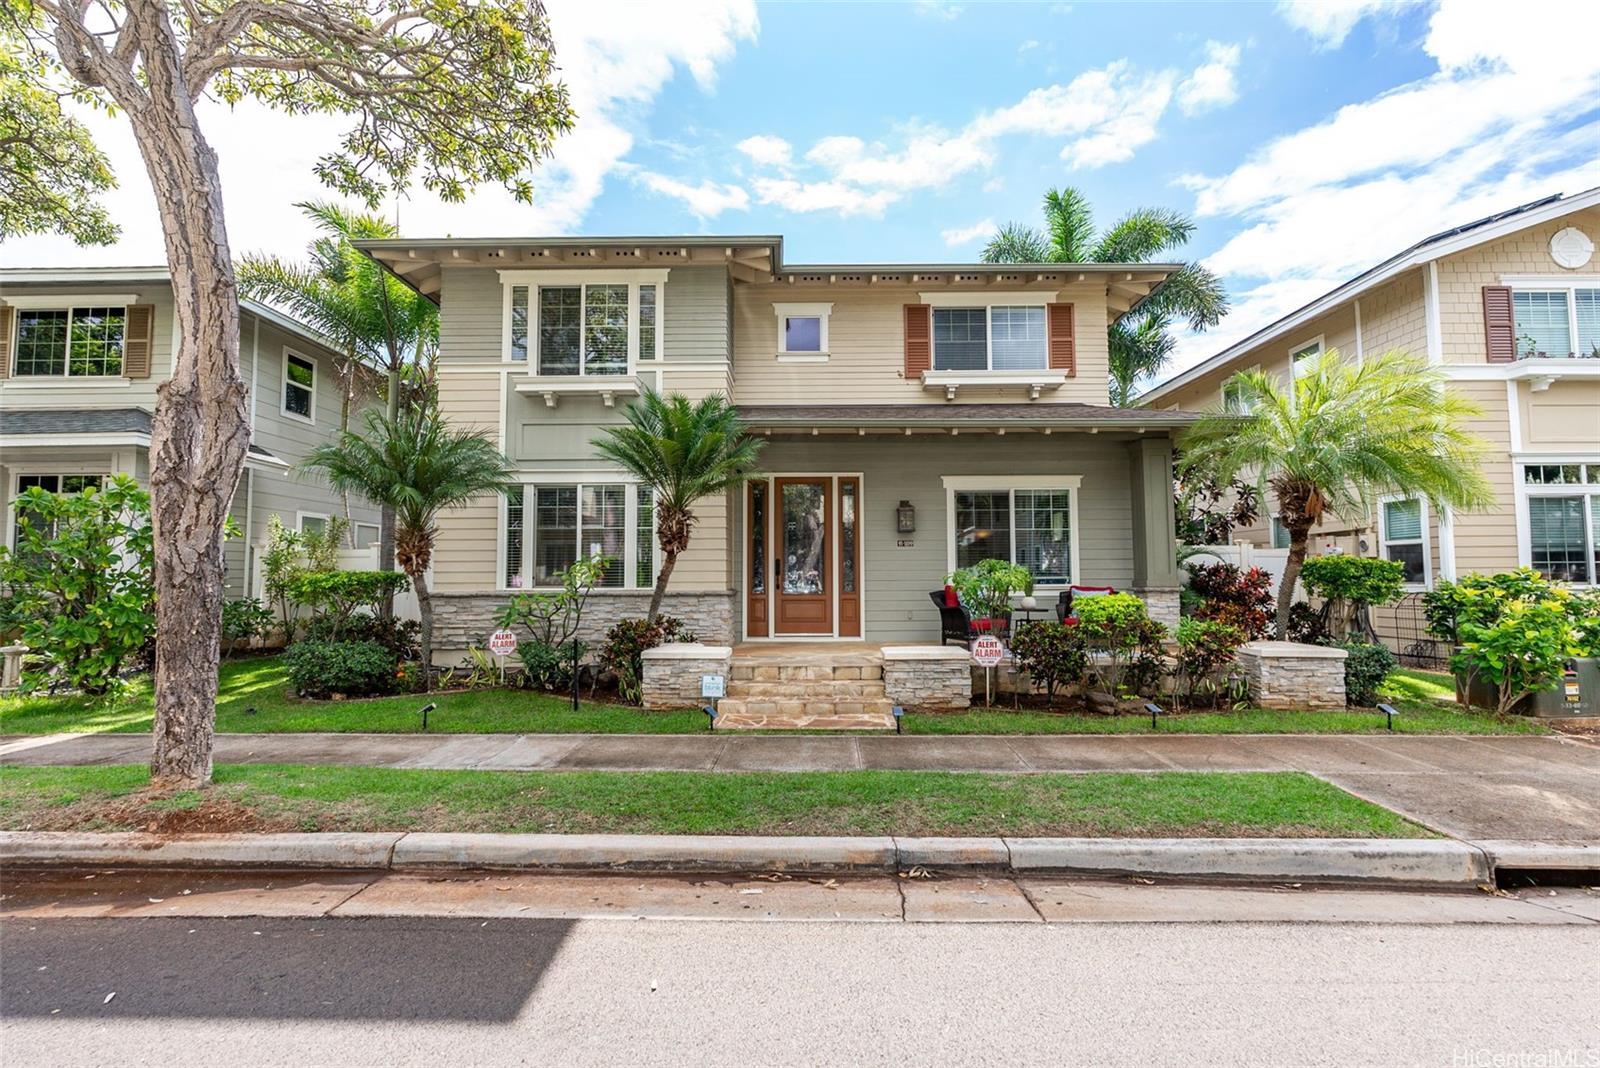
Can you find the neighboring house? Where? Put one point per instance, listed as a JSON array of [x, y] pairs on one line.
[[917, 417], [1509, 308], [82, 351]]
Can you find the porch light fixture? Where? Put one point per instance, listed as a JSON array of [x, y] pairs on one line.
[[905, 518]]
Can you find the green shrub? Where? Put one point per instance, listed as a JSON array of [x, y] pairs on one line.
[[1481, 599], [549, 667], [1115, 626], [402, 637], [1351, 585], [243, 621], [341, 594], [1523, 650], [626, 641], [80, 582], [986, 588], [1365, 667], [1050, 653], [354, 669], [1206, 647]]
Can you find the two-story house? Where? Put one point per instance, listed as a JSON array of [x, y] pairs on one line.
[[1508, 308], [917, 418], [82, 351]]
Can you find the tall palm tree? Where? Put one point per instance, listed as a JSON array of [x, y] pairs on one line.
[[1140, 342], [683, 451], [346, 295], [417, 465], [1336, 438]]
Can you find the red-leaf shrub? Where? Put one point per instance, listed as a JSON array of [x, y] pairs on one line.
[[1242, 599]]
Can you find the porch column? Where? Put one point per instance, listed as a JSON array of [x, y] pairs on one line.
[[1155, 566]]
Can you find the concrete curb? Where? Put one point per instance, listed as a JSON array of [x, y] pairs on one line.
[[1415, 862]]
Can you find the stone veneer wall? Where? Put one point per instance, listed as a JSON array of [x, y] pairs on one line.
[[1162, 604], [672, 673], [1287, 675], [929, 678], [463, 619]]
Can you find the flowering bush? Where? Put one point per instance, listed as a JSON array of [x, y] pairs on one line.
[[1242, 599]]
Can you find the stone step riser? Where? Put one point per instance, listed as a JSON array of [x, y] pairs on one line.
[[829, 723], [836, 690], [795, 708], [758, 672]]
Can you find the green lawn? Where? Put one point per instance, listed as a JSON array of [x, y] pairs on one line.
[[255, 699], [294, 797]]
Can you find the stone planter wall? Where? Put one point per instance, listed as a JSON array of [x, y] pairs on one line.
[[672, 673], [465, 619], [1289, 675], [928, 678], [1162, 604]]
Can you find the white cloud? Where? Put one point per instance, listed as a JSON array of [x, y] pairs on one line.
[[1329, 22], [1212, 84], [704, 201], [962, 235], [766, 149], [943, 10], [822, 196], [615, 57]]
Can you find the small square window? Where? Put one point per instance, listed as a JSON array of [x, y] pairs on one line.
[[802, 333]]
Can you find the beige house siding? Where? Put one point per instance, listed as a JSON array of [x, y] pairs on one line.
[[1565, 417], [866, 336], [1486, 540]]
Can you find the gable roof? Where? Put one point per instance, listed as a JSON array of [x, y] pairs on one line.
[[1444, 243]]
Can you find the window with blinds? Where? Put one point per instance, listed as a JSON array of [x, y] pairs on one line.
[[1543, 323], [1405, 539], [1563, 516]]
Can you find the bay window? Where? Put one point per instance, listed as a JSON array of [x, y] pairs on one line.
[[548, 528], [1561, 505], [582, 323], [993, 338], [1025, 521]]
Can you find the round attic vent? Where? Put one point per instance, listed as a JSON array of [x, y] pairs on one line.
[[1571, 248]]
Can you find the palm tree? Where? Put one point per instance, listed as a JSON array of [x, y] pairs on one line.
[[1336, 438], [417, 465], [345, 294], [683, 451], [1140, 344]]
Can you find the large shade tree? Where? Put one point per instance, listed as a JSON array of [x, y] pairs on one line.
[[442, 93], [1140, 342], [684, 451], [419, 466], [1336, 438], [347, 295]]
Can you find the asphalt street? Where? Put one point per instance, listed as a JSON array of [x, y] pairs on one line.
[[451, 991]]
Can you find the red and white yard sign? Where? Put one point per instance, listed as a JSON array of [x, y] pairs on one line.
[[503, 642], [987, 651]]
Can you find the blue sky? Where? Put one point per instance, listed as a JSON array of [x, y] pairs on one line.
[[1308, 140]]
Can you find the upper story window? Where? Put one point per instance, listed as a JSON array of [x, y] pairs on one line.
[[803, 331], [1553, 323], [299, 386], [993, 338], [1405, 538], [1303, 358], [599, 323], [1563, 520], [79, 342]]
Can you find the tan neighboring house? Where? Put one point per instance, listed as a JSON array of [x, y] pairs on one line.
[[1508, 307], [918, 417], [82, 351]]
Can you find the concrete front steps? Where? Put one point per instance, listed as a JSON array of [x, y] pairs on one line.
[[780, 690]]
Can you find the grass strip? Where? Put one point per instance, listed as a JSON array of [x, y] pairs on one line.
[[298, 797]]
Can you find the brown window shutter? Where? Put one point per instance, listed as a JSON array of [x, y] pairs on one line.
[[1499, 324], [919, 339], [1063, 348], [136, 343], [7, 317]]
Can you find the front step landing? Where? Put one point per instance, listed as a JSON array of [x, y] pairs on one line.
[[811, 691]]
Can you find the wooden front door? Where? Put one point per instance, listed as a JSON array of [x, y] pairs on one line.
[[802, 577]]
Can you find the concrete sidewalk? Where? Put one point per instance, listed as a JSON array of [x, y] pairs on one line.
[[1502, 787]]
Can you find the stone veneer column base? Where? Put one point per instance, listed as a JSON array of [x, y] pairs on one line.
[[466, 619], [1290, 675], [1161, 602], [928, 678], [672, 673]]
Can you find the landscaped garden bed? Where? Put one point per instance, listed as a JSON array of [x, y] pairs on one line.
[[301, 798]]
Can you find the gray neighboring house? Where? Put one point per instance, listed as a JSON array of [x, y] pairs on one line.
[[82, 351]]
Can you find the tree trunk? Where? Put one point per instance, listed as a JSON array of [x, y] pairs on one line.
[[1298, 539], [419, 582], [386, 513], [201, 429], [662, 579]]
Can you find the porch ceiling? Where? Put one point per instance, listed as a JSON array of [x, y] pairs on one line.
[[934, 418]]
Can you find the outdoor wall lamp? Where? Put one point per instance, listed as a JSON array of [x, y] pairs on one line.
[[905, 518]]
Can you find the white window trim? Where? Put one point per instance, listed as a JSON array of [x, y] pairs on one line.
[[1318, 341], [1009, 484], [786, 312], [356, 528], [533, 280], [1522, 491], [1272, 538], [1427, 540], [1570, 284], [15, 488], [1222, 390], [68, 304], [988, 302], [283, 392], [630, 536], [301, 517]]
